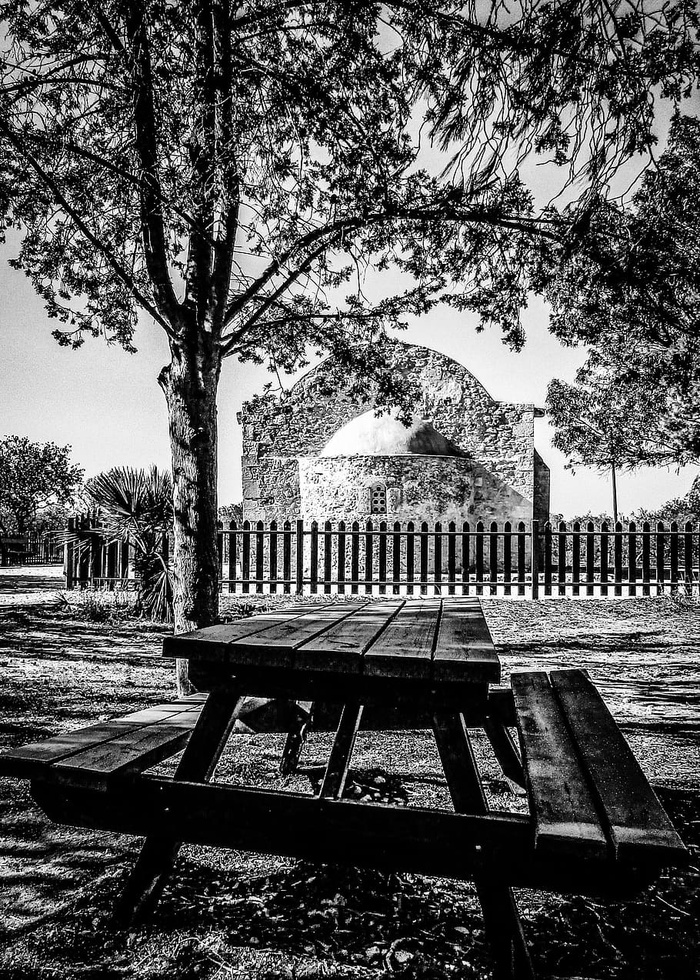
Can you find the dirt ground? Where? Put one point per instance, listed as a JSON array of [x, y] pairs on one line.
[[240, 915]]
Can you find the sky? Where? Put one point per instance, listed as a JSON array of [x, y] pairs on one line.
[[108, 406]]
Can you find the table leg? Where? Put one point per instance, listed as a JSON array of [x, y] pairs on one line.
[[505, 750], [504, 930], [198, 762], [341, 752], [296, 737]]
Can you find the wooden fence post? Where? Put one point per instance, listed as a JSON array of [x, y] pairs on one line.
[[534, 559], [300, 558]]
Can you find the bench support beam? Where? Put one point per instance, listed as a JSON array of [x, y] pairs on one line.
[[157, 858]]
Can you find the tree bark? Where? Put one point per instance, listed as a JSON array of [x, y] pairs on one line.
[[190, 384]]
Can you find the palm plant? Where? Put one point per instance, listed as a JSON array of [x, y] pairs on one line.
[[136, 506]]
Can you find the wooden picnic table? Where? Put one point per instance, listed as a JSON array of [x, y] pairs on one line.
[[594, 824]]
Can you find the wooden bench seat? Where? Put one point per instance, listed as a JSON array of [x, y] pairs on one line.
[[588, 795], [95, 755]]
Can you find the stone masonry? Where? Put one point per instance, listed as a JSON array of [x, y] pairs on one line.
[[497, 476]]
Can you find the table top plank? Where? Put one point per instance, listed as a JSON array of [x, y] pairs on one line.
[[211, 643], [635, 816], [405, 647], [290, 634], [566, 819], [464, 645], [342, 646]]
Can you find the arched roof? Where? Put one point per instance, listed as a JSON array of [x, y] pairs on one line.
[[384, 435]]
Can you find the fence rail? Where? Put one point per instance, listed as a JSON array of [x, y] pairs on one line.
[[415, 558]]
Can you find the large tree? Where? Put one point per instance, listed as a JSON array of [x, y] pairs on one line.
[[233, 169], [632, 294], [33, 477]]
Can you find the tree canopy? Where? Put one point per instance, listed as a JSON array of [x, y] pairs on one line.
[[33, 476], [638, 308]]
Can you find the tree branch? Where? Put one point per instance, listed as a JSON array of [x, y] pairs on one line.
[[73, 214], [153, 229]]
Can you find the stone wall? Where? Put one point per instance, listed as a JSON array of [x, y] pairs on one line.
[[277, 431], [424, 488]]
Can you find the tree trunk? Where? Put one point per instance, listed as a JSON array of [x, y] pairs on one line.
[[190, 383]]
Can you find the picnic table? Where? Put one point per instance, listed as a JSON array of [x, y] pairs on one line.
[[593, 826]]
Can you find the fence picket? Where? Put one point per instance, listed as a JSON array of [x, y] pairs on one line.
[[451, 557], [273, 556], [646, 558], [232, 556], [590, 557], [548, 558], [382, 557], [369, 558], [507, 558], [479, 557], [521, 558], [396, 558], [300, 557], [674, 555], [660, 557], [493, 557], [410, 555], [688, 557], [327, 557], [313, 558], [341, 557], [632, 558], [604, 570], [437, 559], [355, 558], [287, 556], [618, 558], [576, 557], [561, 557], [424, 558], [259, 556], [245, 559]]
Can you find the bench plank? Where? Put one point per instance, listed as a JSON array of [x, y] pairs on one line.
[[405, 647], [638, 823], [464, 645], [341, 647], [561, 802], [30, 760], [132, 751]]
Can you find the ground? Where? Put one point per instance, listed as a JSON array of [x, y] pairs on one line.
[[68, 662]]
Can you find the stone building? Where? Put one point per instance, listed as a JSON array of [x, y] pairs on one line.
[[320, 454]]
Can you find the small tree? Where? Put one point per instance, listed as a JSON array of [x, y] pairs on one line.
[[598, 424], [34, 476], [136, 506]]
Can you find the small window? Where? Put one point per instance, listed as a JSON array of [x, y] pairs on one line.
[[377, 502]]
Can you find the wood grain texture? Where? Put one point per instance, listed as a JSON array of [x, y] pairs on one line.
[[638, 824], [464, 648], [30, 760], [561, 802], [405, 647], [343, 645], [212, 642]]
